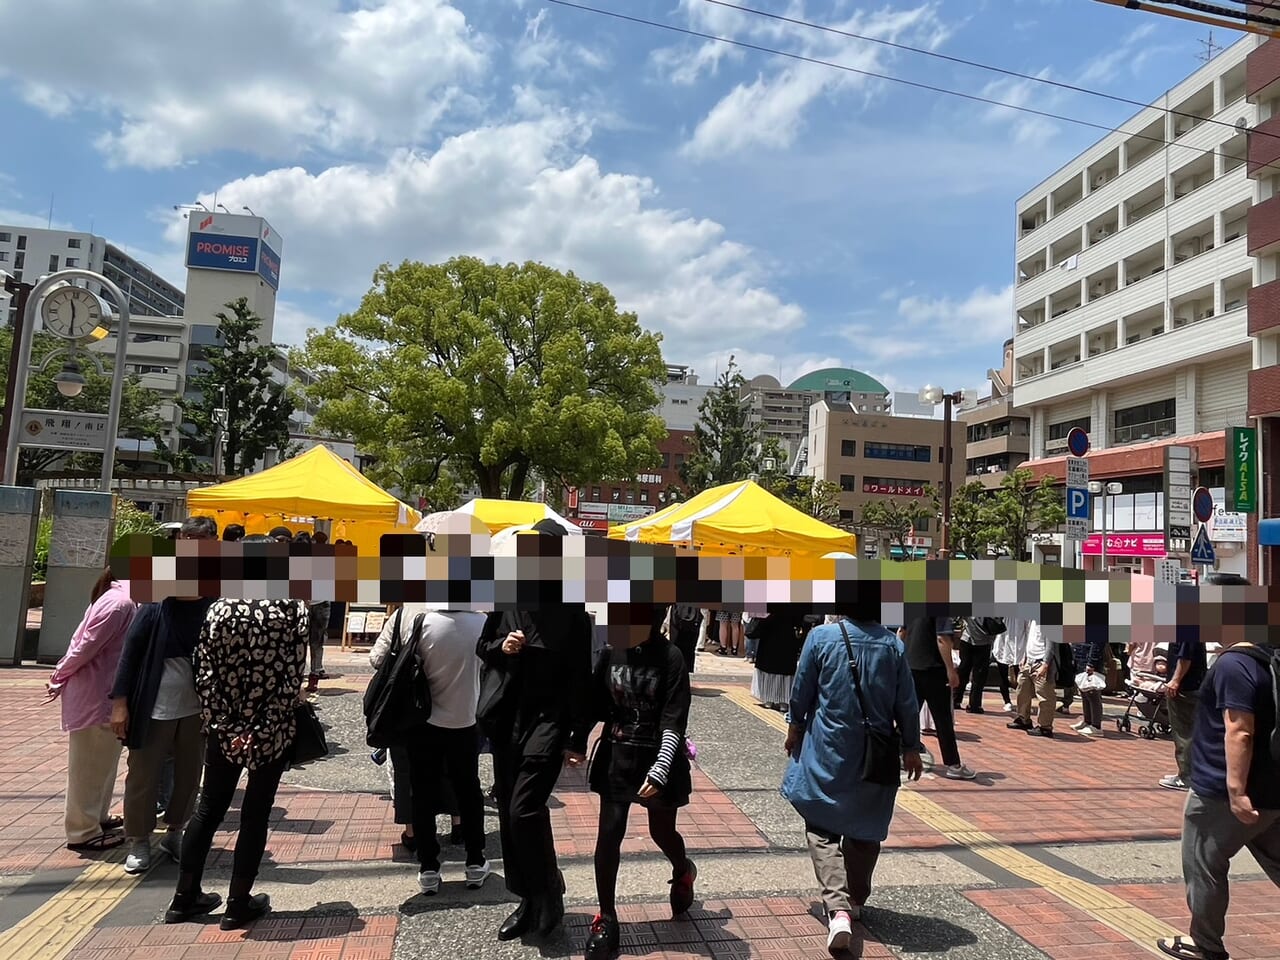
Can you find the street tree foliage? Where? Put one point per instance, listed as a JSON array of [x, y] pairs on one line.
[[971, 530], [897, 517], [1019, 508], [820, 499], [475, 372], [138, 405], [726, 445], [238, 379]]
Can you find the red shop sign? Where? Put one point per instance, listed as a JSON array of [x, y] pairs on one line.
[[1127, 545]]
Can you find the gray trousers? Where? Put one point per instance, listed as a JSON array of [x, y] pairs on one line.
[[843, 868], [1182, 718], [185, 741], [1211, 836]]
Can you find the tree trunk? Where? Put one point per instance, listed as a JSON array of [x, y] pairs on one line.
[[519, 477]]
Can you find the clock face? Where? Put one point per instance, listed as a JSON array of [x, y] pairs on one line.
[[72, 312]]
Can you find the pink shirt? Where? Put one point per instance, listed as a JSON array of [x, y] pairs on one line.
[[86, 673]]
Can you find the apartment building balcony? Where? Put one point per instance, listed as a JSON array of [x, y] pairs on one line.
[[1013, 442], [1142, 432], [1262, 72], [1264, 147], [1264, 308], [1264, 227]]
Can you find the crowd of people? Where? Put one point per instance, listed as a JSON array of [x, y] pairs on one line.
[[200, 691]]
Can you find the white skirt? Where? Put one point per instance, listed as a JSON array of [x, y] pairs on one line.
[[771, 687]]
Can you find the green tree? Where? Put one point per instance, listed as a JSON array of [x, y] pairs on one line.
[[495, 373], [1020, 507], [138, 405], [238, 379], [897, 518], [971, 520], [820, 499], [727, 446]]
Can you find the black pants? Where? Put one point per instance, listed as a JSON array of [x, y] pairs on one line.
[[220, 779], [455, 754], [933, 691], [613, 830], [523, 785], [974, 660]]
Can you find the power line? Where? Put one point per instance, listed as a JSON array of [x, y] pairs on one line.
[[915, 84], [1003, 71], [1218, 11]]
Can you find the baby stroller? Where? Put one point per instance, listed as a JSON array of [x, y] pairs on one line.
[[1149, 670]]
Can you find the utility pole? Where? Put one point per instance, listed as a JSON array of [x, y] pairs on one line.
[[19, 292]]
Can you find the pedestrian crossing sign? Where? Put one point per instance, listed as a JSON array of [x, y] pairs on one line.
[[1202, 550]]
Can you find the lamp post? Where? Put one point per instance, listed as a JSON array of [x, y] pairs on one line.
[[221, 418], [1112, 489], [933, 396]]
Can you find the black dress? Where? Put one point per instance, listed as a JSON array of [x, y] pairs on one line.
[[640, 693]]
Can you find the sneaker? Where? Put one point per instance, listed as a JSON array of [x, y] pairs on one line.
[[1079, 726], [1007, 708], [1173, 782], [839, 934], [682, 889], [138, 860], [1086, 731], [1017, 723], [958, 771], [603, 938], [429, 882], [1040, 732], [477, 874], [171, 845]]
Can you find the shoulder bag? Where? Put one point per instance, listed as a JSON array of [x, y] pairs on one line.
[[882, 756], [308, 742], [397, 704]]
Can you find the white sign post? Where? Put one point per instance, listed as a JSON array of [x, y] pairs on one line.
[[1077, 530]]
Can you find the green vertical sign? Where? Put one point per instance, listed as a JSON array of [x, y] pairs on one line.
[[1242, 470]]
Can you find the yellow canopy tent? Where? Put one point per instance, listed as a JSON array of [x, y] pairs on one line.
[[738, 518], [316, 485], [500, 514]]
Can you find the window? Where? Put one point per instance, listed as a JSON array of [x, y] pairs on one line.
[[679, 460], [846, 514], [1059, 431], [74, 243], [666, 461], [896, 451], [53, 262], [22, 242], [595, 494], [5, 237], [1145, 421], [20, 261], [847, 483], [73, 262], [644, 496], [848, 448], [4, 256]]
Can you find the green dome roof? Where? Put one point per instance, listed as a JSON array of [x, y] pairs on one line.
[[835, 379]]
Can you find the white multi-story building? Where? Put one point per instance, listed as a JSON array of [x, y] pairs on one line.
[[28, 253], [1133, 280]]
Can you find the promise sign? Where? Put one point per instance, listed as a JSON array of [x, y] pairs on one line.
[[1242, 470]]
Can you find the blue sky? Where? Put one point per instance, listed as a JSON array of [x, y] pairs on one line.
[[791, 214]]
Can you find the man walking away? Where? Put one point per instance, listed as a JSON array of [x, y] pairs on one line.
[[1035, 681], [831, 723], [1234, 801], [975, 659], [1190, 662], [929, 657]]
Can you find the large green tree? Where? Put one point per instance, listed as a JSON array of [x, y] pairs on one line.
[[726, 445], [1020, 507], [238, 379], [493, 374], [971, 530], [820, 499], [138, 405]]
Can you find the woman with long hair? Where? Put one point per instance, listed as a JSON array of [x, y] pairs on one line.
[[249, 673], [82, 679]]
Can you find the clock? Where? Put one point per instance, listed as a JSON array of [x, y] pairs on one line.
[[72, 313]]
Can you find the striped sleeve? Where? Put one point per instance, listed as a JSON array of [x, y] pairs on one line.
[[661, 768]]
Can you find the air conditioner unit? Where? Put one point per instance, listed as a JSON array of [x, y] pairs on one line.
[[1101, 179]]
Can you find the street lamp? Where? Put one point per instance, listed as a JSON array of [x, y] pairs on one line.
[[933, 396], [70, 381], [1113, 489]]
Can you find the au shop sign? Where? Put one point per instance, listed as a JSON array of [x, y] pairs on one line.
[[216, 251]]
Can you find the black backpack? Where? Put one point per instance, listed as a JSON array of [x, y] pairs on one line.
[[991, 626], [397, 703], [1271, 660], [687, 615]]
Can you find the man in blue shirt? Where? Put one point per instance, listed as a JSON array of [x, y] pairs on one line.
[[1189, 662], [1234, 802]]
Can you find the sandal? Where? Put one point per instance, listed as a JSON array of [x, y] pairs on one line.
[[1182, 949], [112, 823], [103, 841]]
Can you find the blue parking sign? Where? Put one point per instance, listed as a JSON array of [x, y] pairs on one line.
[[1077, 503]]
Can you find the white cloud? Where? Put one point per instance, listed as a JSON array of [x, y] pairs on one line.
[[770, 110], [786, 367], [514, 192], [541, 49], [292, 322], [272, 79]]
